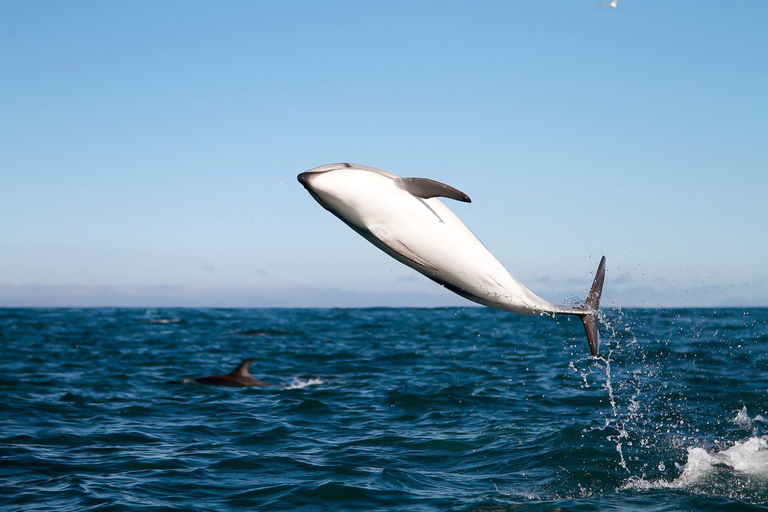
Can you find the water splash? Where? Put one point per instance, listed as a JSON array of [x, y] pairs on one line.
[[742, 418], [663, 416], [740, 471], [619, 425], [749, 458], [601, 366]]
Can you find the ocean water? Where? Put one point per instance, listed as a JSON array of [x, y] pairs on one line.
[[383, 409]]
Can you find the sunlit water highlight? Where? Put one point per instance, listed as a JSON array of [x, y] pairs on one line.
[[397, 409]]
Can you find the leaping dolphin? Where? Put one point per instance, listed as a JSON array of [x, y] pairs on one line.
[[240, 377], [404, 218]]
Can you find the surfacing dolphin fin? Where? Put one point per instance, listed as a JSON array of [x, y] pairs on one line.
[[240, 377], [592, 304], [242, 369]]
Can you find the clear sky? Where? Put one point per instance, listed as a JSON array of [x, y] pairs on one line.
[[149, 150]]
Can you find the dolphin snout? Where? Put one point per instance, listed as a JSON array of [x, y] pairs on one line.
[[304, 178]]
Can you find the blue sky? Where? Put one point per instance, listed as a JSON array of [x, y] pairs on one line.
[[149, 150]]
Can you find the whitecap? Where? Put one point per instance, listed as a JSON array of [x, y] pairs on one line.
[[164, 320], [748, 459], [301, 384]]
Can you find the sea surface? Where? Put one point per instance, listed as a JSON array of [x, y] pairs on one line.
[[383, 409]]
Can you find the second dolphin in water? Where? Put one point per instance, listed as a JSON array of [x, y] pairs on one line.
[[240, 377], [404, 218]]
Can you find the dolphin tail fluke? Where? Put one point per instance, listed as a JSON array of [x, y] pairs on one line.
[[591, 305], [590, 326]]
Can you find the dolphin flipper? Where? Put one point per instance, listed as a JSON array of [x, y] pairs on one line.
[[426, 188]]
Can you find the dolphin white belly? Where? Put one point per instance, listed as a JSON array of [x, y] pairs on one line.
[[404, 218]]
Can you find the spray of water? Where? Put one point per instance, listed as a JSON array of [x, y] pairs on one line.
[[651, 423]]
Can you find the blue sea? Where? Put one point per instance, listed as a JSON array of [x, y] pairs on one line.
[[465, 409]]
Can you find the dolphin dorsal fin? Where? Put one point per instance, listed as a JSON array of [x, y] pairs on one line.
[[426, 188], [242, 369]]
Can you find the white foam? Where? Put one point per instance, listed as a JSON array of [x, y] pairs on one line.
[[528, 495], [749, 459], [301, 384]]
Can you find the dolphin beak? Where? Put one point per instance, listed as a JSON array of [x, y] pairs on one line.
[[304, 179]]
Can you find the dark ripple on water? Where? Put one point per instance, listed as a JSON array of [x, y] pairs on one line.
[[435, 409]]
